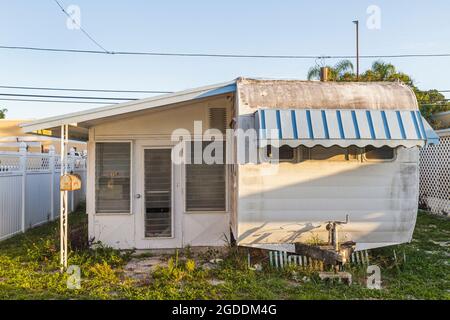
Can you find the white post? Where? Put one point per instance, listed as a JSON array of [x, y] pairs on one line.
[[23, 168], [63, 215], [66, 203], [51, 163], [72, 169]]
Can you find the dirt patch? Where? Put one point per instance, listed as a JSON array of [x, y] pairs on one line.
[[141, 268]]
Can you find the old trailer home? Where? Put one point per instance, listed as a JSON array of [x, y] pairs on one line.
[[325, 151]]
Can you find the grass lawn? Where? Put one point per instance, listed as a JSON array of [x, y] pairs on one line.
[[29, 270]]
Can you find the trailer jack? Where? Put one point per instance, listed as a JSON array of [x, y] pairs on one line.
[[333, 253]]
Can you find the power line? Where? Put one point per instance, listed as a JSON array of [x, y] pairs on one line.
[[67, 97], [223, 55], [58, 101], [79, 26], [147, 53], [83, 90]]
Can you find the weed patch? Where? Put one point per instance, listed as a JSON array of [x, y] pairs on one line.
[[29, 269]]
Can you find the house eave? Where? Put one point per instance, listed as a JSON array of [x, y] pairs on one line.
[[81, 118]]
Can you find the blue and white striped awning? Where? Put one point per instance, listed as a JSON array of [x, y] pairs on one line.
[[341, 127]]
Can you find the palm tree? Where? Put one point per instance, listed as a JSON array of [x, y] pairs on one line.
[[430, 101], [382, 71], [342, 70], [3, 113]]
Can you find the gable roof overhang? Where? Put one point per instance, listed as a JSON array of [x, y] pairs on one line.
[[79, 122]]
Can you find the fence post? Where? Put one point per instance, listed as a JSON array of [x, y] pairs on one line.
[[51, 163], [23, 168], [71, 169]]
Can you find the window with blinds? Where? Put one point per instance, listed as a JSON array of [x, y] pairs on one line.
[[112, 177], [206, 183]]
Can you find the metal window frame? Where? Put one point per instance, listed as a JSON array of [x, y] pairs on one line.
[[365, 159], [184, 181], [130, 212]]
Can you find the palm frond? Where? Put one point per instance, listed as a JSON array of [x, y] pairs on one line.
[[313, 73], [383, 70], [343, 66]]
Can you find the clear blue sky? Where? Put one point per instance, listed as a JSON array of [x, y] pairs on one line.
[[245, 27]]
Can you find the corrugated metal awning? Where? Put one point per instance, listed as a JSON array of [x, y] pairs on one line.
[[343, 127]]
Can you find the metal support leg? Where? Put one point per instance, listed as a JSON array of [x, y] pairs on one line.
[[63, 212]]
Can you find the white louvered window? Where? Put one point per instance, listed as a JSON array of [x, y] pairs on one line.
[[112, 177], [205, 183], [218, 119]]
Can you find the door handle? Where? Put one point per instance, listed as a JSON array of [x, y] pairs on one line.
[[138, 196]]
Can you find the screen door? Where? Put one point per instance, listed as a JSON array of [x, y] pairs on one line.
[[158, 193]]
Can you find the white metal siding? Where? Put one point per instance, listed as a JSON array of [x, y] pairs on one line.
[[294, 203]]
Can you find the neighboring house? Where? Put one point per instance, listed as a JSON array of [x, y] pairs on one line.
[[344, 148], [11, 135], [435, 170], [443, 119]]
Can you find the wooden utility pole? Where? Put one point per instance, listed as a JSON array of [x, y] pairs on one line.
[[356, 22]]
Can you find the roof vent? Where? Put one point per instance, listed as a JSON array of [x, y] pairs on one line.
[[218, 119]]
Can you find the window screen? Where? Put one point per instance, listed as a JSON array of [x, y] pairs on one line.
[[158, 192], [205, 183], [112, 177], [383, 153]]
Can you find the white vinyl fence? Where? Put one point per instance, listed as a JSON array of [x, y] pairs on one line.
[[29, 188]]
